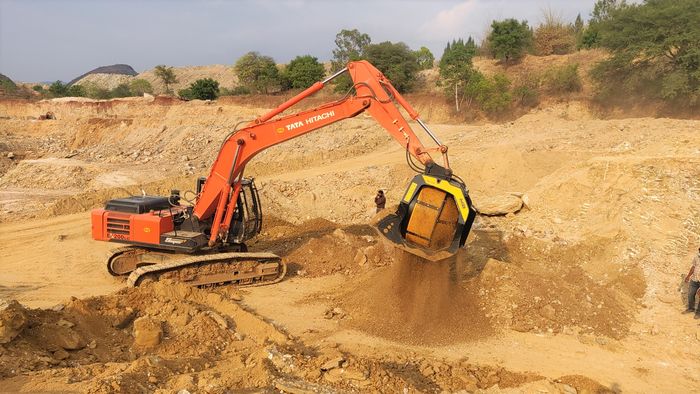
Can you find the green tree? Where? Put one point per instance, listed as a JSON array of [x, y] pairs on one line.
[[167, 75], [425, 58], [603, 11], [395, 60], [456, 67], [201, 89], [509, 39], [140, 86], [303, 71], [578, 24], [256, 72], [655, 52], [58, 89], [350, 46]]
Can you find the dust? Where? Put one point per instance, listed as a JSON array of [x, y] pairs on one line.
[[416, 301]]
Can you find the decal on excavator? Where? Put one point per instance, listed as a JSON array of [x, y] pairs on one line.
[[310, 120]]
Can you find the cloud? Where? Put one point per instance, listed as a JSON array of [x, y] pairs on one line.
[[448, 24]]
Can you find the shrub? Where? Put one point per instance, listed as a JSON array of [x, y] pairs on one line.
[[526, 93], [58, 89], [38, 88], [425, 58], [236, 91], [201, 89], [140, 86], [554, 39], [564, 79], [122, 90], [76, 91], [491, 94]]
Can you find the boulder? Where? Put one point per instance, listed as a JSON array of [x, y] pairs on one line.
[[499, 205], [13, 318], [147, 332]]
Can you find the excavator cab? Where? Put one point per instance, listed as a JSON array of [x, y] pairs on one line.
[[433, 218]]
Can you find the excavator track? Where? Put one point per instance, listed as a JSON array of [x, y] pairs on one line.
[[122, 261], [240, 269]]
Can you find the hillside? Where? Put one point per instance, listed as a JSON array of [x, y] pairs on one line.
[[115, 69]]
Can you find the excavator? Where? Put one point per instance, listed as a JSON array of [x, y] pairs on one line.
[[202, 242]]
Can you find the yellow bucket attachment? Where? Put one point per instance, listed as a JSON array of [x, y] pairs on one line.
[[433, 219]]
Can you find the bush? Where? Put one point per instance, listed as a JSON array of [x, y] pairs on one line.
[[39, 89], [527, 92], [122, 90], [303, 71], [58, 89], [201, 89], [564, 79], [491, 94], [236, 91], [425, 58], [140, 86], [554, 39], [76, 91]]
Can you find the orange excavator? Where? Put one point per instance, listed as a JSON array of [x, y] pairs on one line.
[[204, 243]]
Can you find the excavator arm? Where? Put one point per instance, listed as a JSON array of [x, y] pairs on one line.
[[435, 214]]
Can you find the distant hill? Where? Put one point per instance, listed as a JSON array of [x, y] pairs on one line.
[[7, 86], [121, 69]]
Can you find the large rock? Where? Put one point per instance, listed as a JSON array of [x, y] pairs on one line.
[[13, 318], [147, 332], [499, 205]]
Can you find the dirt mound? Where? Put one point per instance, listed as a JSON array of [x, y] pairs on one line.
[[417, 302], [170, 337]]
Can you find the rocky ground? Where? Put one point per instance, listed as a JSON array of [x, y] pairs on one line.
[[575, 290]]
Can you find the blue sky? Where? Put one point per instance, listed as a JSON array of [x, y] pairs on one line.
[[45, 40]]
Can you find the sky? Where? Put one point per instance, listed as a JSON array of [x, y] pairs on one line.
[[48, 40]]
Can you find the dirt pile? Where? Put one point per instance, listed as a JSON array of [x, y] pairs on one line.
[[166, 337], [416, 301]]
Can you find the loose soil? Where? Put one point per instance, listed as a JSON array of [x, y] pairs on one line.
[[579, 290]]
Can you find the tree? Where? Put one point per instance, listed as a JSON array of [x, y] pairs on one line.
[[256, 72], [140, 86], [303, 71], [201, 89], [509, 39], [350, 46], [456, 67], [602, 12], [578, 24], [167, 75], [58, 89], [425, 58], [655, 52], [395, 60]]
